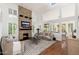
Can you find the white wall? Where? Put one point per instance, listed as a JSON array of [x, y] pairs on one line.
[[77, 11], [77, 22], [0, 24], [52, 14], [6, 18], [37, 22], [68, 11], [0, 30]]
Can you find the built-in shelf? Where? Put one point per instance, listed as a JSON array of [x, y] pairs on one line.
[[26, 16], [30, 17], [20, 15]]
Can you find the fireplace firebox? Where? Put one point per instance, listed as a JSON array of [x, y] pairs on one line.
[[25, 36]]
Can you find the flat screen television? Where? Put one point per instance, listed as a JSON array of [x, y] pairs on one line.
[[25, 24]]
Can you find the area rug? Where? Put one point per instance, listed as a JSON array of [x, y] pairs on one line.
[[36, 49]]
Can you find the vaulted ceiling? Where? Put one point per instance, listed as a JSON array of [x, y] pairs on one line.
[[37, 7], [42, 7]]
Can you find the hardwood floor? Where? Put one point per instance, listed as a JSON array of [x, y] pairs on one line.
[[55, 49], [73, 47], [66, 47]]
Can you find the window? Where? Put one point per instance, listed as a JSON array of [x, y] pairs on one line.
[[12, 11], [46, 27], [70, 27], [58, 28], [63, 27]]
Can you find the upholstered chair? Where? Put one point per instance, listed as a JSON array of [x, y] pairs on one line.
[[10, 46]]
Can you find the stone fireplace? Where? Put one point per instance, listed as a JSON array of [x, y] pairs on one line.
[[25, 15]]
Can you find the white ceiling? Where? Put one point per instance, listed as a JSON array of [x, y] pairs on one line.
[[42, 7], [37, 7]]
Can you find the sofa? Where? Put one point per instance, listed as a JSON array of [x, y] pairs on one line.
[[46, 35]]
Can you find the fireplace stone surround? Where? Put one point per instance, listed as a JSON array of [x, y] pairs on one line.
[[24, 35]]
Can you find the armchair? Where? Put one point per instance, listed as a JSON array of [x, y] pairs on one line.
[[11, 47]]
